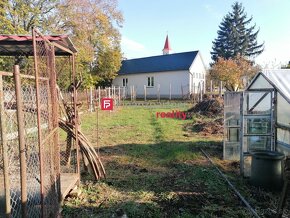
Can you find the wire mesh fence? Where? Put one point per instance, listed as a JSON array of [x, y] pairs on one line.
[[30, 151]]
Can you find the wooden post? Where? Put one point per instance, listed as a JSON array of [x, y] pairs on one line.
[[134, 94], [119, 95], [131, 96], [87, 99], [220, 88], [194, 92], [145, 97], [21, 140], [99, 96], [211, 91], [158, 92], [181, 91], [200, 90], [169, 91], [91, 100], [109, 92]]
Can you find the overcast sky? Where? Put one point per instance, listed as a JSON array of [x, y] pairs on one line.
[[193, 24]]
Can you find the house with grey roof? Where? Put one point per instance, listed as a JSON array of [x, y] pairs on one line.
[[169, 75]]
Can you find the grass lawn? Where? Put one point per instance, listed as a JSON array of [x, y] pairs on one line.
[[155, 169]]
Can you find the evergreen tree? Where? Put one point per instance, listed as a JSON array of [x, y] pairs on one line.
[[235, 37]]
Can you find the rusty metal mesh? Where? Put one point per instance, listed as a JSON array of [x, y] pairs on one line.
[[10, 142], [48, 148], [41, 159]]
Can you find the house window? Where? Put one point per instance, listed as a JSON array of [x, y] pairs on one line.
[[125, 82], [150, 81]]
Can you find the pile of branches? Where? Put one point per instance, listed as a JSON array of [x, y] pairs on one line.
[[212, 107]]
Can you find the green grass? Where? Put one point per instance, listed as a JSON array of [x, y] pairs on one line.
[[154, 169]]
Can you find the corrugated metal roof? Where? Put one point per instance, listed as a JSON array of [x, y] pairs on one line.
[[11, 45], [280, 79], [170, 62]]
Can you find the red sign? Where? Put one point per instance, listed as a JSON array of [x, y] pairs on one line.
[[107, 104]]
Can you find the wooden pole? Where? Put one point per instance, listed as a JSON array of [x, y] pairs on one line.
[[145, 97], [99, 96], [169, 91], [181, 91], [21, 140], [91, 100], [131, 96], [158, 92], [194, 92], [119, 95], [220, 88], [200, 86], [211, 90]]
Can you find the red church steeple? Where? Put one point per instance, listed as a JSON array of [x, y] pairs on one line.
[[167, 48]]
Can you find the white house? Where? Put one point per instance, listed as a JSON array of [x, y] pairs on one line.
[[176, 75]]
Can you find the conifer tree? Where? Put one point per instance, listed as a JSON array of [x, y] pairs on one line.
[[236, 37]]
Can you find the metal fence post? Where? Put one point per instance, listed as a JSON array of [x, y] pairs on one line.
[[38, 120], [55, 109], [21, 139], [99, 94], [76, 118]]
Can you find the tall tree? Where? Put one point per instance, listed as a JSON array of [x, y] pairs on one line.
[[93, 26], [19, 16], [235, 37]]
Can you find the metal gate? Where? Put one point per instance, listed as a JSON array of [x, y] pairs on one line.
[[248, 125]]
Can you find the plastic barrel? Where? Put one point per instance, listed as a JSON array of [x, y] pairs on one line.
[[266, 170]]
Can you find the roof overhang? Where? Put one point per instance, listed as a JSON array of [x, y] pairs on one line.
[[20, 45]]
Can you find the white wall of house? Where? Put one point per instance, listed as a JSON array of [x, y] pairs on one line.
[[177, 79], [182, 82], [197, 74]]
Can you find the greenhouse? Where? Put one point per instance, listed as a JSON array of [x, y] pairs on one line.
[[258, 118]]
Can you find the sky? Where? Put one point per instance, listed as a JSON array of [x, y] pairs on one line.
[[193, 25]]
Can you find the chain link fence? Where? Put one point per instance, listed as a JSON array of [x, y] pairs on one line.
[[31, 154]]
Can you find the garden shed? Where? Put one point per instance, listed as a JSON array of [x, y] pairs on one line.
[[258, 118]]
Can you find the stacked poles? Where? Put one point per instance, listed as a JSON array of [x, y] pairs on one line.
[[86, 147]]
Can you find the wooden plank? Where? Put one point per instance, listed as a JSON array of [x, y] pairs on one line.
[[67, 182]]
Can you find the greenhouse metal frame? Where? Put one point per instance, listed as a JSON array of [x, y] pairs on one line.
[[258, 118]]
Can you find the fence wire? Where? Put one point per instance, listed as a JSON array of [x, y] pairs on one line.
[[48, 149], [40, 130]]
